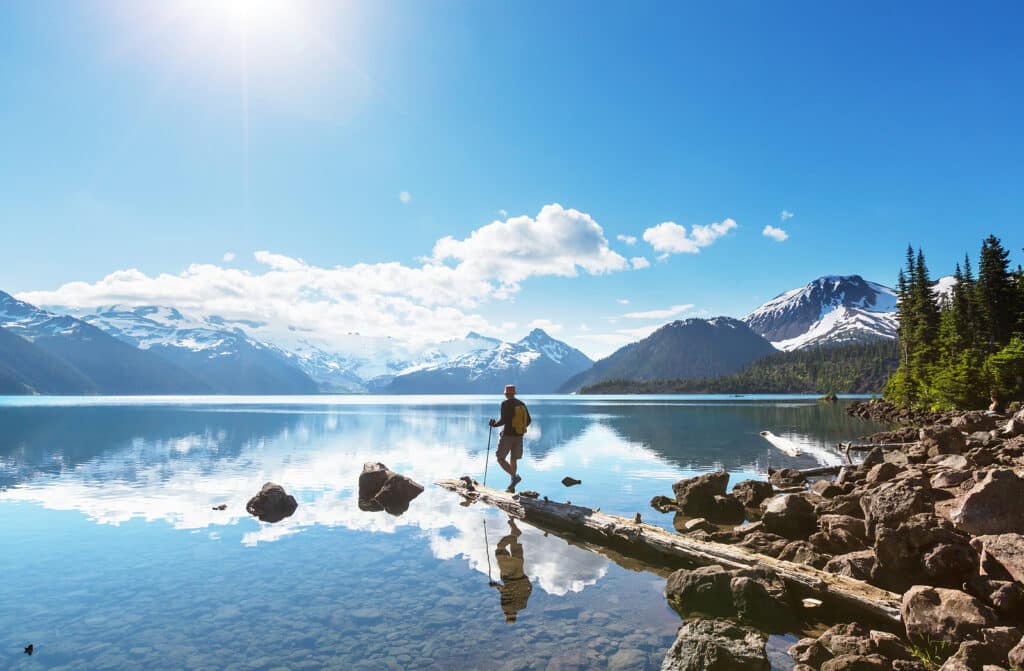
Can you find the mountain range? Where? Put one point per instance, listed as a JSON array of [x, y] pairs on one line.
[[120, 349]]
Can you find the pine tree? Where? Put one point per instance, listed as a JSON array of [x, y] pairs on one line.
[[996, 295]]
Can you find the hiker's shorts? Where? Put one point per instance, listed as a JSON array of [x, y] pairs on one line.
[[510, 445]]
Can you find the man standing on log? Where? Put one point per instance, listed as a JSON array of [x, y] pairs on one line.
[[514, 418]]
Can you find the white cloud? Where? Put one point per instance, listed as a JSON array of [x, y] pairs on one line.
[[776, 234], [405, 197], [639, 263], [660, 314], [503, 213], [628, 239], [672, 238], [228, 257], [784, 215], [622, 301], [434, 300], [558, 241]]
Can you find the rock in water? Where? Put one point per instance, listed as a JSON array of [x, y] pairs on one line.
[[380, 488], [704, 590], [717, 645], [397, 492], [993, 506], [372, 479], [696, 496], [272, 504], [752, 492], [569, 482]]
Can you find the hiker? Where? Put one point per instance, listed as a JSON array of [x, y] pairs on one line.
[[996, 406], [514, 418], [515, 587]]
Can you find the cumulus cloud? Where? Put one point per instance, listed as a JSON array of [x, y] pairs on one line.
[[228, 257], [639, 263], [671, 238], [436, 299], [666, 313], [776, 234], [628, 239], [558, 241], [503, 213], [784, 215], [622, 301], [405, 197]]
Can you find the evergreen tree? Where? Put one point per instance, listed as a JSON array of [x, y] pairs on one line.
[[996, 295]]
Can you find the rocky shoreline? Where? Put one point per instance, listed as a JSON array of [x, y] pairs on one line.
[[935, 512]]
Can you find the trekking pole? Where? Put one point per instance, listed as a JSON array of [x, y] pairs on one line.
[[487, 459], [487, 553]]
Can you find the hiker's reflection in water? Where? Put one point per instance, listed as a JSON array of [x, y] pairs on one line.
[[515, 587]]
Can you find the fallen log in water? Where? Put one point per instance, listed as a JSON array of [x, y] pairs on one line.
[[629, 536]]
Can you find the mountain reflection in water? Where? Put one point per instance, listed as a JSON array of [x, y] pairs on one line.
[[153, 473]]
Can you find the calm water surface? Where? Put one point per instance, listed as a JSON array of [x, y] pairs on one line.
[[111, 556]]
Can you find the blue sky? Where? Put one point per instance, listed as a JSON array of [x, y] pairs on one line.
[[152, 140]]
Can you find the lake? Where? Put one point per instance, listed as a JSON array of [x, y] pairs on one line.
[[113, 557]]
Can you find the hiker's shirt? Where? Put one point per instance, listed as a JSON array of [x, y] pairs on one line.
[[508, 412]]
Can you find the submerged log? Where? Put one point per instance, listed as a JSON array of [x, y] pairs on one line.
[[628, 536]]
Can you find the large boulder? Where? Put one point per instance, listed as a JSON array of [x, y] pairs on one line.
[[892, 503], [1005, 551], [696, 496], [1005, 596], [789, 515], [754, 603], [717, 645], [701, 590], [380, 488], [971, 422], [751, 492], [726, 509], [937, 614], [272, 503], [938, 439], [992, 506], [839, 534], [924, 544]]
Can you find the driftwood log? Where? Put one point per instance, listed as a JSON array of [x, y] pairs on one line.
[[646, 540]]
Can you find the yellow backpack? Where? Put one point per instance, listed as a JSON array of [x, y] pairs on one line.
[[520, 419]]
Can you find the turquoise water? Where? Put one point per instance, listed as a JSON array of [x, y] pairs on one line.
[[112, 557]]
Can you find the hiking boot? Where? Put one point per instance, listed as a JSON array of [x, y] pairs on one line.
[[516, 479]]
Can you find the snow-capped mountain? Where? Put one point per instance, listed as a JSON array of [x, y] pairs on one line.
[[216, 351], [72, 349], [942, 289], [828, 311], [245, 357], [537, 364]]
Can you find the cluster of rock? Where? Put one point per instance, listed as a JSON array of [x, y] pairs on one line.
[[939, 519], [380, 488]]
